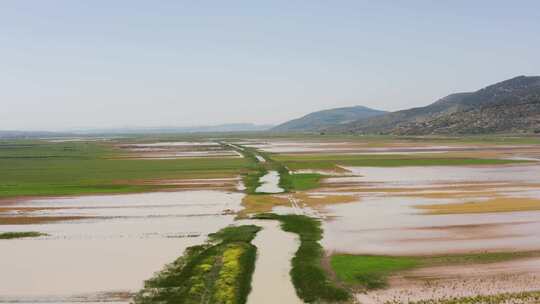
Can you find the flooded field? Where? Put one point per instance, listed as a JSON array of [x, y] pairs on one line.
[[178, 149], [432, 210], [383, 147], [394, 199], [388, 219], [123, 241]]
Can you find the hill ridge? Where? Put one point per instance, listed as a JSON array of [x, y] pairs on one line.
[[322, 119], [477, 112]]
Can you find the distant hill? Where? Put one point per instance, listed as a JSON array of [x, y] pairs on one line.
[[233, 127], [14, 134], [322, 119], [510, 106]]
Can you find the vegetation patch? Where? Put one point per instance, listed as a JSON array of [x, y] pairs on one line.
[[499, 204], [371, 271], [252, 179], [18, 235], [310, 280], [218, 272], [300, 181]]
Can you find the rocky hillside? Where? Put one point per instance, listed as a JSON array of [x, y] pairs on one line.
[[511, 106], [501, 118], [317, 121]]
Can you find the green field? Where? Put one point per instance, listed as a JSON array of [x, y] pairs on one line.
[[32, 168], [301, 181], [371, 271], [331, 161]]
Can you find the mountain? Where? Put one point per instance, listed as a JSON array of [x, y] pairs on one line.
[[322, 119], [510, 106]]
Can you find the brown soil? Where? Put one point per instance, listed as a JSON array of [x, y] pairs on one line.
[[498, 204], [30, 220], [459, 281]]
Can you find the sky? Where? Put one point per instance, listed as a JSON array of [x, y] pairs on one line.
[[68, 64]]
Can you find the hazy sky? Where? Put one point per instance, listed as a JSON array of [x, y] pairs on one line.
[[69, 64]]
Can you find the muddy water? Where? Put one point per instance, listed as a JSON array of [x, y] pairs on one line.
[[174, 150], [365, 148], [387, 223], [130, 237], [271, 280], [270, 183], [439, 174]]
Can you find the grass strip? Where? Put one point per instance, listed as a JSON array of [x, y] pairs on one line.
[[308, 276], [18, 235], [219, 271]]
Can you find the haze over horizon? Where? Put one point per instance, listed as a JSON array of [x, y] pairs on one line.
[[102, 64]]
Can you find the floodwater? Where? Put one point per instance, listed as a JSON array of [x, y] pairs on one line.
[[126, 240], [358, 147], [389, 226], [174, 150], [270, 183], [420, 176], [271, 281], [387, 222]]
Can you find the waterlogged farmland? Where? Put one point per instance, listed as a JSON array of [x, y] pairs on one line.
[[37, 168], [315, 220], [112, 244]]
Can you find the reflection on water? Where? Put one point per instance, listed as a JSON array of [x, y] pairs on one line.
[[386, 223], [129, 238], [270, 183], [390, 226], [271, 281], [446, 174]]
